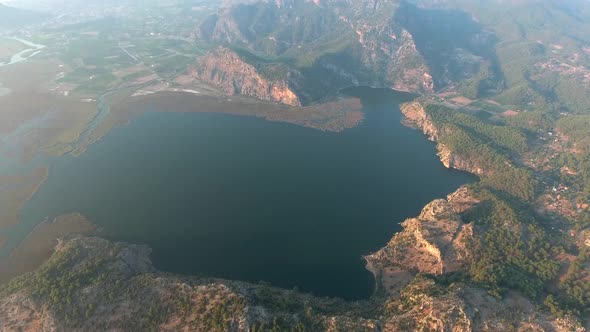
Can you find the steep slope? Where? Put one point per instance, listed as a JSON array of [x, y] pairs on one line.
[[13, 18], [529, 53], [426, 306], [542, 49], [453, 239], [334, 44], [91, 284], [466, 262], [224, 69], [432, 243]]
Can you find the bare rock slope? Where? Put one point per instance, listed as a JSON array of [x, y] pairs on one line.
[[224, 69]]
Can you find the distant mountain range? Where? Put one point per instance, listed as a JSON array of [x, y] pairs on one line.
[[74, 6], [510, 50], [12, 17], [392, 44]]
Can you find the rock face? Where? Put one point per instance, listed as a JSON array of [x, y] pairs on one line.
[[91, 284], [437, 243], [452, 160], [417, 117], [432, 243], [224, 69], [424, 306], [385, 43]]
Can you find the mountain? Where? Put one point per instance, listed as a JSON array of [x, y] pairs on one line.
[[319, 47], [504, 93], [12, 17], [528, 53], [77, 6], [542, 49], [91, 284]]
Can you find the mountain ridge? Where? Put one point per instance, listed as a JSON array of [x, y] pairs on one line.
[[348, 45], [11, 17]]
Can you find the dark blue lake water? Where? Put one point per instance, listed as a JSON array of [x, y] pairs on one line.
[[243, 198]]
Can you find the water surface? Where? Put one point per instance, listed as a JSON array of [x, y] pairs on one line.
[[23, 55], [243, 198]]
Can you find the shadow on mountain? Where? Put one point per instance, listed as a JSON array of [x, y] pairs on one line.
[[454, 46]]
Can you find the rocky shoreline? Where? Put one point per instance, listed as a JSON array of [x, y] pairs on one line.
[[118, 281], [430, 243], [416, 117], [113, 286], [433, 243]]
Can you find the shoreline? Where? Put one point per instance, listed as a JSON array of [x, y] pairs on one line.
[[38, 246], [429, 132], [337, 115], [106, 124], [29, 184], [122, 112], [377, 275]]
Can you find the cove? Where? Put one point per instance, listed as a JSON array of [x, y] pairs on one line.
[[247, 199]]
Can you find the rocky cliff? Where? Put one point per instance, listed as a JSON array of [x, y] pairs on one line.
[[416, 116], [433, 243], [438, 243], [224, 69], [377, 43], [425, 306], [451, 159], [91, 284]]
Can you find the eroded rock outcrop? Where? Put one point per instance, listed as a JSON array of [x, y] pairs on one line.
[[426, 306], [417, 117], [463, 200], [226, 70], [380, 43], [91, 284], [432, 243], [436, 242], [450, 159]]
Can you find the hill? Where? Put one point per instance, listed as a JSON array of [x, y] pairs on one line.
[[530, 54], [12, 17], [504, 93], [393, 44]]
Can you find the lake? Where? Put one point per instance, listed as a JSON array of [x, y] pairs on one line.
[[243, 198]]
